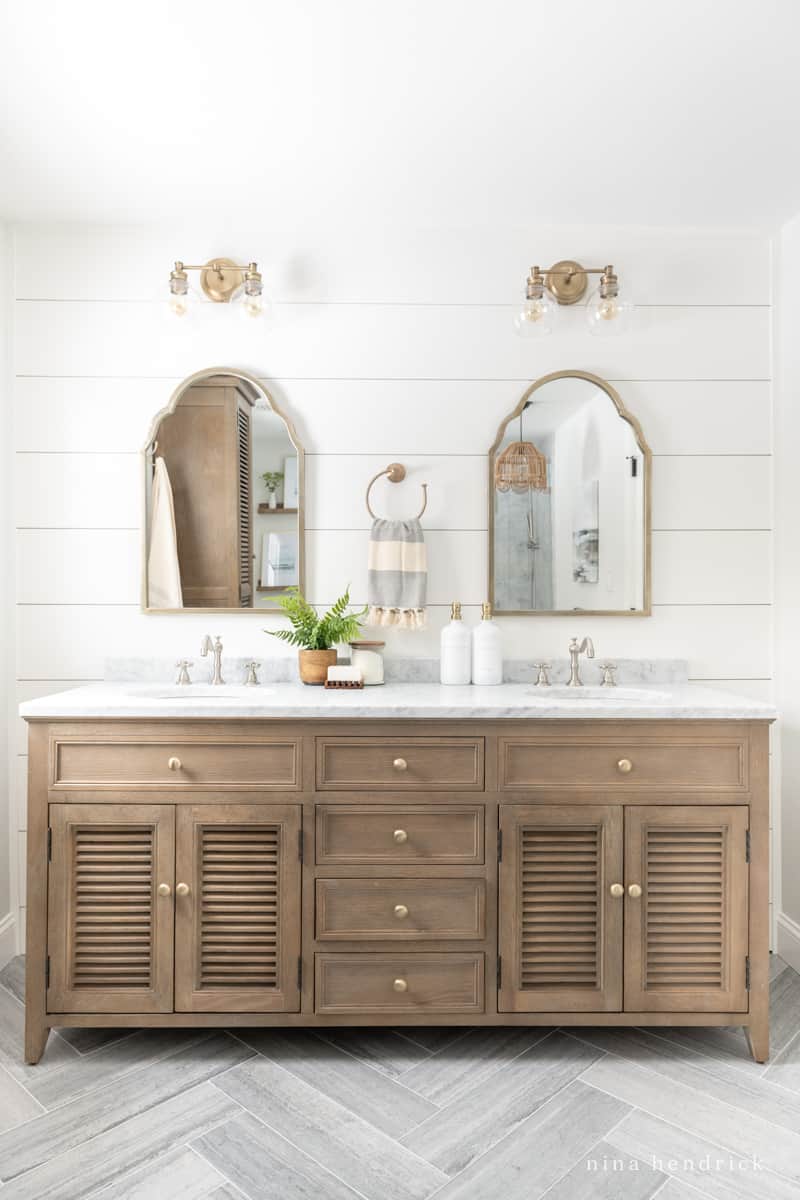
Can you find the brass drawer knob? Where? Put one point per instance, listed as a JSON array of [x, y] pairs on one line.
[[617, 890], [400, 764], [624, 766], [400, 911], [400, 836], [634, 891], [164, 889], [400, 985], [174, 764], [182, 889]]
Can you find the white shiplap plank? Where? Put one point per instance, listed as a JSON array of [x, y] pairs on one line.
[[702, 417], [19, 792], [22, 867], [28, 689], [384, 341], [78, 566], [729, 492], [86, 415], [77, 491], [470, 266], [712, 567]]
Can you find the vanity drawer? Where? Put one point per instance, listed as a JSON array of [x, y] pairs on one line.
[[119, 763], [399, 983], [399, 834], [400, 909], [400, 764], [629, 763]]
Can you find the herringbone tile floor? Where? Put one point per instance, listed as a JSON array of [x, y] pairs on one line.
[[401, 1115]]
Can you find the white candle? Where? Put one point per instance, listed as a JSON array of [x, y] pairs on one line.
[[369, 663]]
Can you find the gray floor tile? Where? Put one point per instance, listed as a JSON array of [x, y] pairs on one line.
[[673, 1189], [445, 1076], [458, 1134], [383, 1049], [12, 1042], [710, 1168], [433, 1038], [105, 1160], [177, 1175], [707, 1117], [16, 1104], [542, 1149], [349, 1147], [776, 965], [12, 977], [784, 1068], [605, 1174], [86, 1041], [227, 1192], [263, 1165], [384, 1103], [784, 1010], [60, 1130]]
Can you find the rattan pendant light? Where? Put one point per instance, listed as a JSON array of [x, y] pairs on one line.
[[521, 467]]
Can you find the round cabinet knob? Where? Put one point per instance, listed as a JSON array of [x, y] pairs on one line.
[[182, 889], [400, 764], [400, 911], [634, 891], [164, 889], [617, 890], [400, 985], [624, 766], [400, 836], [174, 764]]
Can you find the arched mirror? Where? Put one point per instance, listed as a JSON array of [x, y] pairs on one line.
[[569, 502], [223, 489]]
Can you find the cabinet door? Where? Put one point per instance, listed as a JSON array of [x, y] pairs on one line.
[[560, 928], [237, 926], [110, 933], [686, 934]]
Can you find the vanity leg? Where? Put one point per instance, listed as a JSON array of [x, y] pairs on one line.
[[36, 1035], [758, 1039]]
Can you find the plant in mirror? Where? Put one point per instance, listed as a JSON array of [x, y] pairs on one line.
[[569, 502], [212, 541]]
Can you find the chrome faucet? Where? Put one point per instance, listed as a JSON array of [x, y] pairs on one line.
[[575, 651], [216, 650]]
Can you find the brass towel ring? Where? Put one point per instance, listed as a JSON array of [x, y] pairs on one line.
[[396, 473]]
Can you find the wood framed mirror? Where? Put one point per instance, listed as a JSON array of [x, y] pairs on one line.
[[224, 499], [569, 503]]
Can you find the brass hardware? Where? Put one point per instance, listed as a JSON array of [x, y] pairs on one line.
[[617, 890], [182, 889], [608, 679], [575, 650], [174, 763], [400, 764], [395, 473], [624, 766], [400, 911], [542, 678], [566, 280], [400, 836], [183, 665], [164, 889], [400, 985], [634, 891], [220, 279]]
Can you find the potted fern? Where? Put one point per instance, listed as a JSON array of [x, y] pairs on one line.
[[317, 636]]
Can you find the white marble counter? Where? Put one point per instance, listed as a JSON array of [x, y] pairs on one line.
[[394, 701]]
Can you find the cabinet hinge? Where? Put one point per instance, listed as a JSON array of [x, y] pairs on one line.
[[300, 844], [299, 972], [49, 845], [499, 845], [47, 972], [747, 845], [499, 970], [747, 974]]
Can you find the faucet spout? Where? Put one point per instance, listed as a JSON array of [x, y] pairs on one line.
[[207, 646], [576, 649]]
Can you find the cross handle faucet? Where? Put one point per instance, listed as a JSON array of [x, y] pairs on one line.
[[576, 649]]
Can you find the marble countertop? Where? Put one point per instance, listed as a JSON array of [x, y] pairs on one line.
[[395, 701]]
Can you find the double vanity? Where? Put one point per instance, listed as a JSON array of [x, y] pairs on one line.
[[406, 854]]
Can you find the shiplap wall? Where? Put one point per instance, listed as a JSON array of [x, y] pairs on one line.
[[388, 347]]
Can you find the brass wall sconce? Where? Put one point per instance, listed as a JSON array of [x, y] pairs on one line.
[[565, 283], [222, 281]]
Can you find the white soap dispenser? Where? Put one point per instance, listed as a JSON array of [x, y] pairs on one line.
[[455, 655], [487, 650]]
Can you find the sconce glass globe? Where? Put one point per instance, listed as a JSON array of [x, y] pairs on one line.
[[537, 316], [608, 316]]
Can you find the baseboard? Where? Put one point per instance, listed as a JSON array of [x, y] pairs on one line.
[[8, 938], [789, 941]]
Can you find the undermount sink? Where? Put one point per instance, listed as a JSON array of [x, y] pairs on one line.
[[594, 693], [189, 692]]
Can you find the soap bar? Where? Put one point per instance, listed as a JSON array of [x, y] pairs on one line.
[[344, 674]]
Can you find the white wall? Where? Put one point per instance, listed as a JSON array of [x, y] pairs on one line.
[[396, 348], [8, 822]]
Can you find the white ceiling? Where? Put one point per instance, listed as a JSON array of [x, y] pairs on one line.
[[419, 112]]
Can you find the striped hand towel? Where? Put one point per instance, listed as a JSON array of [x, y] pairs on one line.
[[398, 574]]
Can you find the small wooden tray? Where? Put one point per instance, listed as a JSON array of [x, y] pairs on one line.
[[344, 685]]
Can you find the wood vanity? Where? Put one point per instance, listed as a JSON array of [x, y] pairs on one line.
[[189, 872]]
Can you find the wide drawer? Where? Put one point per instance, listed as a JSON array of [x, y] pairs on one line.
[[400, 834], [400, 909], [625, 763], [175, 763], [399, 764], [399, 983]]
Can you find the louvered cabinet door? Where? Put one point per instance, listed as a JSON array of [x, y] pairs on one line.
[[237, 928], [110, 933], [560, 928], [686, 934]]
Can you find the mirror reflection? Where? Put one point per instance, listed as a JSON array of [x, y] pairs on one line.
[[223, 487], [569, 519]]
